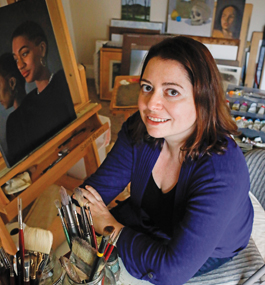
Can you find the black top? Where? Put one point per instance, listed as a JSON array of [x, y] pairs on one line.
[[159, 206], [38, 118]]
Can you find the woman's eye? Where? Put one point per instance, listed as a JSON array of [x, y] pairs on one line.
[[146, 88], [172, 92], [25, 53]]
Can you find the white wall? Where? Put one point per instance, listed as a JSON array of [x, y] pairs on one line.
[[90, 20]]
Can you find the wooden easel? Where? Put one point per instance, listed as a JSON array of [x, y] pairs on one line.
[[81, 144]]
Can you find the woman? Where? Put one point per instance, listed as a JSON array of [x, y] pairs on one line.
[[12, 83], [227, 25], [189, 210], [46, 109], [12, 93]]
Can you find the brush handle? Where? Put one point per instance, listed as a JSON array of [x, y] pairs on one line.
[[65, 229], [86, 229], [12, 277], [19, 269], [94, 238], [98, 258], [108, 251], [92, 229], [71, 226], [78, 225]]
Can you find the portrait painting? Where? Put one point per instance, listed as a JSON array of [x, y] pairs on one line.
[[190, 17], [135, 10], [228, 19], [35, 100]]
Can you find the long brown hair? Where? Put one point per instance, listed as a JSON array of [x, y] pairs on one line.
[[214, 122]]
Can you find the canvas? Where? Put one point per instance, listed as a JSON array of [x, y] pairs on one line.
[[228, 18], [135, 10], [190, 17], [35, 113]]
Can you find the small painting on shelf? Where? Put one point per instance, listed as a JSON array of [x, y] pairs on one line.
[[190, 17], [228, 19], [135, 10]]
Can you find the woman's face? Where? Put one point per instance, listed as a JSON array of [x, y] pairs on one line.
[[28, 55], [228, 18], [6, 94], [166, 102]]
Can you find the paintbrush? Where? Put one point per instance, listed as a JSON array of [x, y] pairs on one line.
[[40, 241], [21, 239], [12, 277], [5, 257], [33, 266], [65, 202], [104, 241], [26, 269], [19, 269], [70, 270], [86, 229], [92, 229], [57, 204], [110, 248], [77, 221], [83, 250]]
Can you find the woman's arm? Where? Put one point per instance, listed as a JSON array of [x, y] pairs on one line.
[[114, 174]]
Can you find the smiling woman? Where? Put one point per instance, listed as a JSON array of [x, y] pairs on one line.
[[189, 211]]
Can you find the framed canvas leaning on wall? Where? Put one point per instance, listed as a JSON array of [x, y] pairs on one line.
[[39, 102]]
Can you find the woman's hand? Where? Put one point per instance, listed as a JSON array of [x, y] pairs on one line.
[[100, 213]]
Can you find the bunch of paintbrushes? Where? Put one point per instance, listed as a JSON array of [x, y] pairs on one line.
[[34, 246], [81, 237]]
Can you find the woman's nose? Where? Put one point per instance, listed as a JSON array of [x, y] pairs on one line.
[[154, 102], [20, 63]]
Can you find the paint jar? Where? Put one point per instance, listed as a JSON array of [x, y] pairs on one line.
[[257, 125], [243, 107], [236, 106], [113, 264], [52, 273]]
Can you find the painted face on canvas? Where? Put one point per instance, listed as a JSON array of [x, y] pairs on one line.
[[228, 18], [166, 102], [6, 94], [28, 55]]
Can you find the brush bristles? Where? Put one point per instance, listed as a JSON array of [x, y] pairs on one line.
[[74, 207], [37, 239], [64, 196], [57, 203], [79, 196], [83, 250], [108, 230]]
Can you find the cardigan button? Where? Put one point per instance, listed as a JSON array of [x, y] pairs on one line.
[[150, 275]]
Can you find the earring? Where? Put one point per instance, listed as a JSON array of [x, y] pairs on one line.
[[43, 61]]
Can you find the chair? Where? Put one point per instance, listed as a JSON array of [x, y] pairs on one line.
[[249, 260]]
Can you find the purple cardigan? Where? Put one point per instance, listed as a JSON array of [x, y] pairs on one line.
[[213, 214]]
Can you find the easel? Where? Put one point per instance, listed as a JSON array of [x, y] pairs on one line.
[[81, 145]]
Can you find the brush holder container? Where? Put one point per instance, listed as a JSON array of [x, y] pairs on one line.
[[103, 276], [106, 277], [113, 264], [52, 273]]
